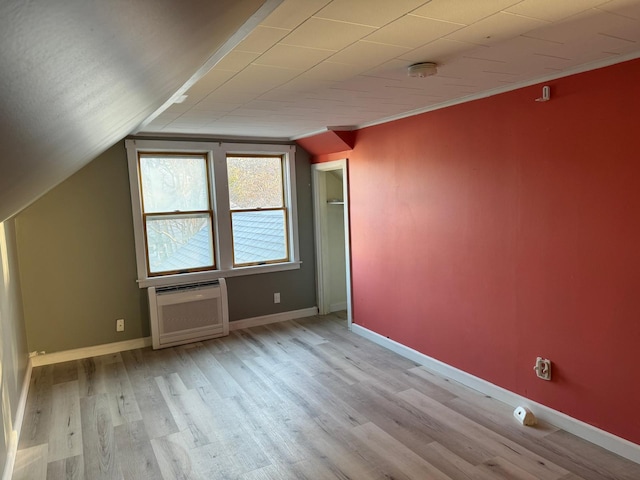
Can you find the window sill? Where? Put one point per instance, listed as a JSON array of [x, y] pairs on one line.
[[184, 278]]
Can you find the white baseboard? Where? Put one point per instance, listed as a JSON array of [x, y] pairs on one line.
[[93, 351], [577, 427], [12, 445], [338, 307], [108, 348], [273, 318]]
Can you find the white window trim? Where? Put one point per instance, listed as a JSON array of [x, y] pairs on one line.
[[217, 157]]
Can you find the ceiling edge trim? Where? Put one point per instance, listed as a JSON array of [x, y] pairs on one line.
[[496, 91], [207, 137]]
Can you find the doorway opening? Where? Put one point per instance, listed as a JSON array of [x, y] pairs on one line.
[[331, 218]]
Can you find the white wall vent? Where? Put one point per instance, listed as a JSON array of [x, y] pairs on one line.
[[188, 313]]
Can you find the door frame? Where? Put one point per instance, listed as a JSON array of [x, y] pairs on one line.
[[321, 238]]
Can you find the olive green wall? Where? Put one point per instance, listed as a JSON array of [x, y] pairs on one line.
[[77, 262], [13, 344]]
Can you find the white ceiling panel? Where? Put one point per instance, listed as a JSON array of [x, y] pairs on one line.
[[326, 34], [625, 8], [212, 80], [368, 54], [215, 104], [262, 39], [594, 21], [292, 13], [440, 51], [312, 64], [552, 10], [331, 72], [375, 13], [464, 12], [293, 57], [496, 28], [236, 61], [411, 31]]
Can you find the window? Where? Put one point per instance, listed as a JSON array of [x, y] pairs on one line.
[[176, 212], [204, 210], [258, 211]]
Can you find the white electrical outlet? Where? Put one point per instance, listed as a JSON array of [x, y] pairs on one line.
[[276, 298], [120, 325]]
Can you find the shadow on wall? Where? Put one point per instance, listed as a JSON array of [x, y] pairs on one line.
[[13, 345]]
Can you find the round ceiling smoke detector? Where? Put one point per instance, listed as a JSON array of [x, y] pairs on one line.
[[422, 69]]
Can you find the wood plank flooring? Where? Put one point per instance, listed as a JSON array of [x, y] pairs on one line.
[[297, 400]]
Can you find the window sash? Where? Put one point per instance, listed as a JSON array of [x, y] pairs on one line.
[[210, 253], [263, 261], [205, 182], [282, 207], [177, 214]]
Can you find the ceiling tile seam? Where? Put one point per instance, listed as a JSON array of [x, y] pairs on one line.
[[303, 21], [399, 87], [343, 22], [613, 13], [616, 37], [462, 25], [346, 22], [469, 44], [284, 44], [500, 73], [406, 14], [371, 42], [278, 67], [541, 20], [240, 49], [551, 56], [235, 75], [261, 95], [528, 35], [495, 12], [446, 37], [484, 59]]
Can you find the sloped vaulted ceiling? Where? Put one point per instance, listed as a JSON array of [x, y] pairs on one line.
[[76, 76]]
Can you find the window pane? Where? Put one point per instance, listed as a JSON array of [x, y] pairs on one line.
[[179, 243], [258, 236], [255, 182], [172, 183]]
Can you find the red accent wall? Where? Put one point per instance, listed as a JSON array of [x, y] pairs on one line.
[[492, 232]]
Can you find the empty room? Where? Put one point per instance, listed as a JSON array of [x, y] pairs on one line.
[[318, 239]]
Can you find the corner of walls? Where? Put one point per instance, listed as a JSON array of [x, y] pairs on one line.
[[329, 141], [14, 359]]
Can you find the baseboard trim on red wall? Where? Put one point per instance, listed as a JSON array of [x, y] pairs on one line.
[[595, 435]]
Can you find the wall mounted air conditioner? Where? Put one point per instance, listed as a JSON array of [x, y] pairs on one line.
[[188, 313]]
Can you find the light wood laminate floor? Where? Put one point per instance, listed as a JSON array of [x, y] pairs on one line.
[[297, 400]]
